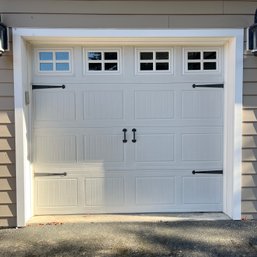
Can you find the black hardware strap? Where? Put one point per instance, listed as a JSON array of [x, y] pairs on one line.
[[51, 174], [209, 85], [46, 86], [207, 172]]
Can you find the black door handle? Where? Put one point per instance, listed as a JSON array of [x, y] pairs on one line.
[[134, 135], [124, 138]]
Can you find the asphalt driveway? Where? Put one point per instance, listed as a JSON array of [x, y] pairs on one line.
[[122, 239]]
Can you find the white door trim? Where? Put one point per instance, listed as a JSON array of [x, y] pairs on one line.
[[232, 39]]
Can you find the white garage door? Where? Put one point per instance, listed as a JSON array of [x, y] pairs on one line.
[[128, 129]]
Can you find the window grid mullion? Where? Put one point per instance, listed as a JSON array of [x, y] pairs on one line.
[[53, 61]]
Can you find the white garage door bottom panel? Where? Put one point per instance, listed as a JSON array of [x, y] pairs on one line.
[[127, 193], [128, 209]]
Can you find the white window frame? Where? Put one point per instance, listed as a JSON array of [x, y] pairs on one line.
[[218, 60], [102, 50], [54, 61], [231, 39], [154, 61]]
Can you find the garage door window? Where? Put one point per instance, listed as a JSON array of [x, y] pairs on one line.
[[102, 61], [153, 61], [201, 60], [53, 61]]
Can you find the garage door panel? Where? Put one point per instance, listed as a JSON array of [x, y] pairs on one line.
[[54, 106], [155, 190], [103, 105], [154, 104], [202, 147], [55, 148], [155, 148], [204, 104], [80, 130], [103, 191], [202, 189], [103, 148], [55, 193]]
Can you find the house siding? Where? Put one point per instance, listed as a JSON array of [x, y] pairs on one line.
[[7, 144], [249, 151], [126, 14]]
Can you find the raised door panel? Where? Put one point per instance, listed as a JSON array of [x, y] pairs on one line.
[[202, 189], [53, 106], [202, 147], [55, 148], [155, 190], [103, 105], [56, 192], [104, 191], [154, 104], [103, 148], [202, 104], [153, 147], [198, 107]]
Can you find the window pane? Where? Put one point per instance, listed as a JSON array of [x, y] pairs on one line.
[[46, 67], [146, 56], [194, 66], [111, 66], [194, 56], [162, 66], [162, 55], [209, 66], [95, 66], [209, 55], [64, 56], [111, 56], [94, 56], [45, 56], [62, 66], [146, 66]]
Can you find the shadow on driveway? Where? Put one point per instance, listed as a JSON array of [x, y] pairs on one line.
[[184, 238]]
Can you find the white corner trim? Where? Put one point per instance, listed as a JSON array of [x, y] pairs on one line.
[[238, 67], [19, 129], [232, 38]]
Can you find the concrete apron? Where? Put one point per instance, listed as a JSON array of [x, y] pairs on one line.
[[110, 218]]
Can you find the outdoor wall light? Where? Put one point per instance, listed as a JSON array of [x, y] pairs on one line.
[[252, 36], [3, 38]]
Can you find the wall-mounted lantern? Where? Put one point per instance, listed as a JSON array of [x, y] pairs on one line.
[[252, 36], [4, 33]]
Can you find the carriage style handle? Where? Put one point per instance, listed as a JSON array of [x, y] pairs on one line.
[[134, 135], [124, 138]]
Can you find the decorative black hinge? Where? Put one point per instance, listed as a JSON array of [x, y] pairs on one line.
[[207, 172], [209, 85], [51, 174], [46, 86]]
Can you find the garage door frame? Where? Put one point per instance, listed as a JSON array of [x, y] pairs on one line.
[[232, 39]]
